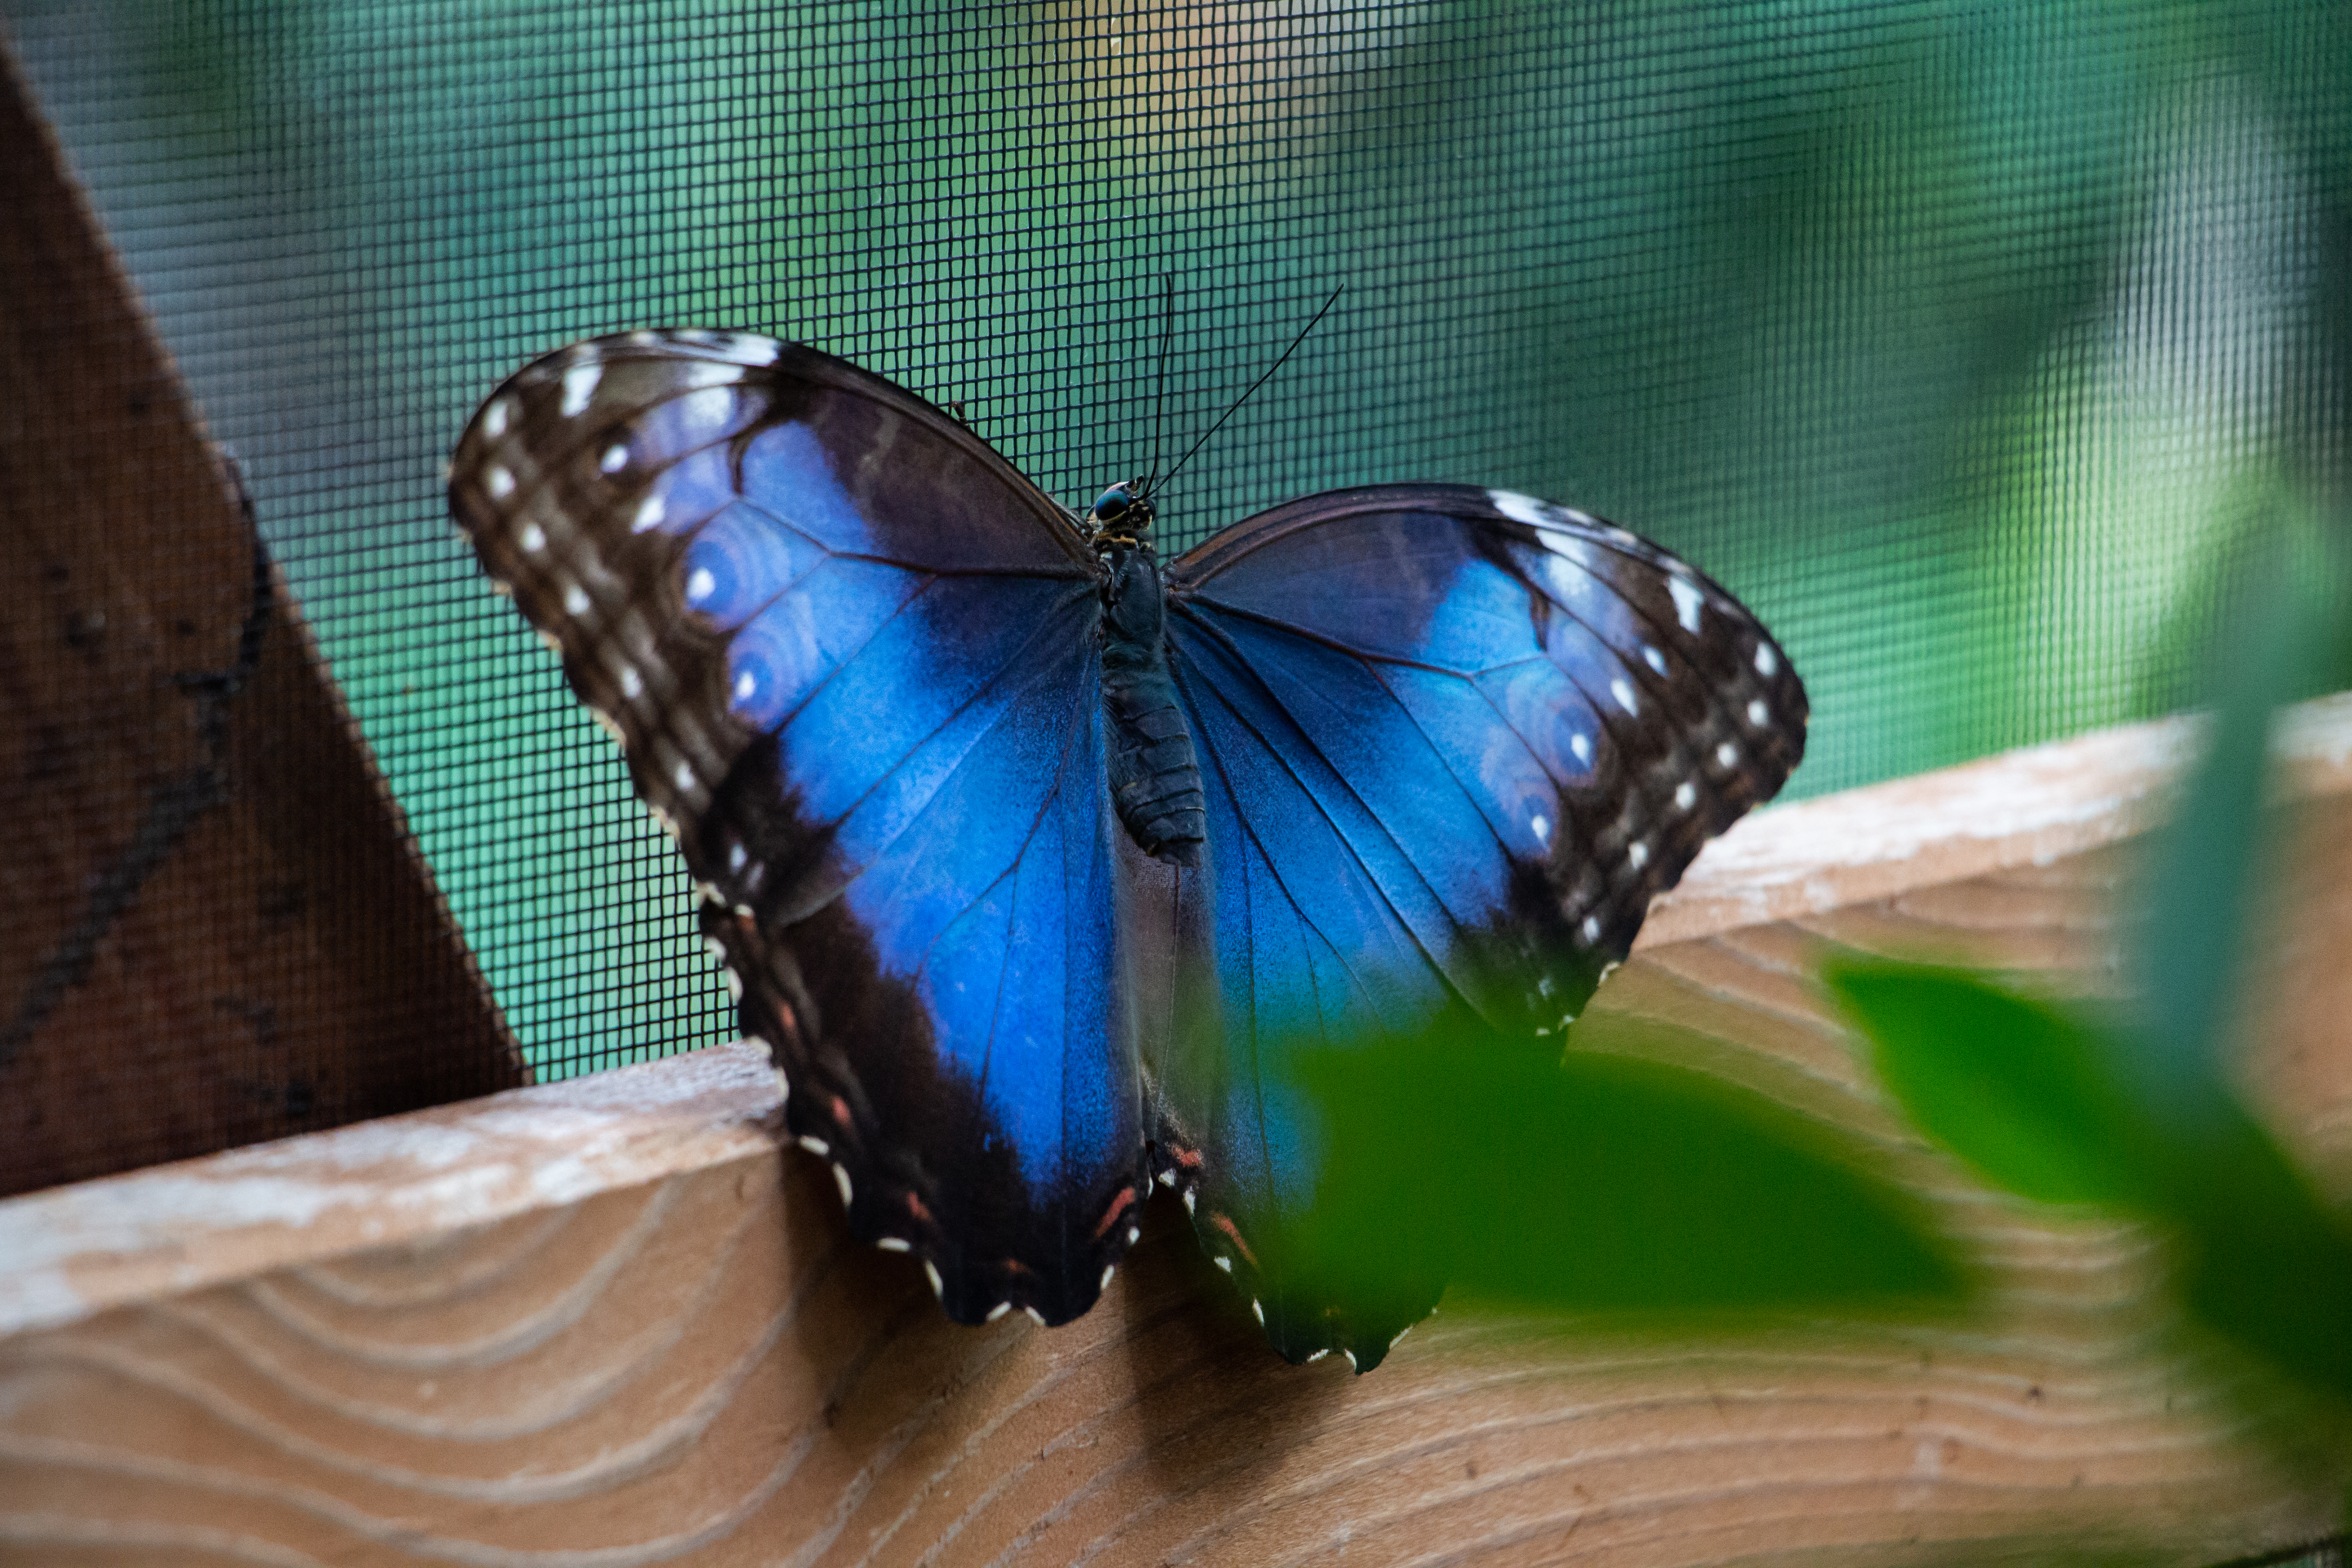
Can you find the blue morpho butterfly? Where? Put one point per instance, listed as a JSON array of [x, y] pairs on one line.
[[971, 783]]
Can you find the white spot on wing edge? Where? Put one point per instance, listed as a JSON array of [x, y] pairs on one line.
[[533, 538], [1519, 507], [1109, 1269], [579, 386], [1622, 689], [1757, 714], [1689, 600], [841, 1179], [999, 1311], [649, 514], [892, 1244], [1569, 548], [495, 417], [498, 480], [1685, 797], [816, 1146], [749, 348], [576, 599], [1767, 661], [939, 1285], [1541, 826], [1036, 1316]]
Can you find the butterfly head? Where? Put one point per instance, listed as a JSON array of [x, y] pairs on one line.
[[1121, 514]]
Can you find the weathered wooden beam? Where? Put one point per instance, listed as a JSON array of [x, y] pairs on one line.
[[608, 1323]]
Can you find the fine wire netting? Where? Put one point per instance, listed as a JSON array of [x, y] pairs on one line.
[[1968, 345]]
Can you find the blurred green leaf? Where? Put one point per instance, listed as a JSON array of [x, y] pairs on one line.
[[2268, 1264], [2017, 1088], [2049, 1108], [2211, 860], [1599, 1183]]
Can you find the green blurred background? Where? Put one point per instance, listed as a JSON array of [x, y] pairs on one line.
[[1970, 345]]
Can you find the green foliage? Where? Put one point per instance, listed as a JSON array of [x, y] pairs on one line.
[[2134, 1112], [2200, 903], [2017, 1088], [1600, 1183], [2058, 1109]]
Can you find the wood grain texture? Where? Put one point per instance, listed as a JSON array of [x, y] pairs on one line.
[[215, 927], [606, 1323]]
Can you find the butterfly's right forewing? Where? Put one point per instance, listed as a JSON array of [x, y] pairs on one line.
[[853, 656]]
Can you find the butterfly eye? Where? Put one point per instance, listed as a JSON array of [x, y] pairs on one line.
[[1112, 504]]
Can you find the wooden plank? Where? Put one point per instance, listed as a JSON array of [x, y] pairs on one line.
[[608, 1323], [214, 927]]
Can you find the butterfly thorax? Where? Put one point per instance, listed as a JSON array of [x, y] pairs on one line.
[[1155, 775]]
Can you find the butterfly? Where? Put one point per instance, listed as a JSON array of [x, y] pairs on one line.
[[1031, 859]]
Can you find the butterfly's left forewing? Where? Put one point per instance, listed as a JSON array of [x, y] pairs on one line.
[[1452, 741], [853, 656]]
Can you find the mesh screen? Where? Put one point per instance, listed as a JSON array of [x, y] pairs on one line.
[[1966, 345]]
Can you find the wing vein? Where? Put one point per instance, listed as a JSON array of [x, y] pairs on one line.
[[919, 741], [1305, 788]]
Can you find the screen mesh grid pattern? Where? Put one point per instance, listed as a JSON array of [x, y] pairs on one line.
[[1970, 346]]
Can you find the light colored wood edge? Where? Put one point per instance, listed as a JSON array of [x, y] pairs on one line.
[[74, 1251], [2026, 807]]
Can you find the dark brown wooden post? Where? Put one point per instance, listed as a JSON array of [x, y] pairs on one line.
[[215, 926]]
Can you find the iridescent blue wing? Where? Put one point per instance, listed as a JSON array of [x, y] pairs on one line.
[[1452, 741], [852, 655]]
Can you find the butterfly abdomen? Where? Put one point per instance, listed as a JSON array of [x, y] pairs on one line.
[[1155, 773]]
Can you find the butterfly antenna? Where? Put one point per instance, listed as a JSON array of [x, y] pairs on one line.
[[1261, 381], [1159, 399]]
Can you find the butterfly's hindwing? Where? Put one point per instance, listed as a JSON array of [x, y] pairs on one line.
[[854, 659]]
